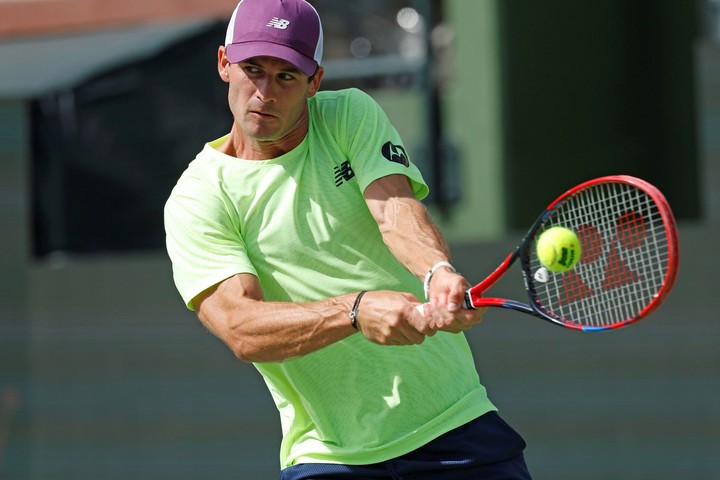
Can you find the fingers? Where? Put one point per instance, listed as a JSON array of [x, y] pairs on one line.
[[439, 318], [390, 318]]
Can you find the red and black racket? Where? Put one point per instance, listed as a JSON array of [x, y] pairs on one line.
[[628, 264]]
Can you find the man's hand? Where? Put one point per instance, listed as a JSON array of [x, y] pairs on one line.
[[391, 318], [445, 310]]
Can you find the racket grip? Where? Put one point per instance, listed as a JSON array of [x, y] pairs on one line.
[[467, 303]]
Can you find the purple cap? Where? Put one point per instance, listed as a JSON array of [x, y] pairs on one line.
[[286, 29]]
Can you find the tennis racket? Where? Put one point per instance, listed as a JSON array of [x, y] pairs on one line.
[[627, 267]]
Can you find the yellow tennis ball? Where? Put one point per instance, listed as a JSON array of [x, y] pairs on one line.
[[558, 249]]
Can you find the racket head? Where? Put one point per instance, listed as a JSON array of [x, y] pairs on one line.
[[629, 260]]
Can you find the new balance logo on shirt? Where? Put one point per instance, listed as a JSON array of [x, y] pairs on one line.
[[343, 173], [279, 23]]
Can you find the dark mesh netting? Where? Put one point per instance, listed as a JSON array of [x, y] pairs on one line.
[[106, 153]]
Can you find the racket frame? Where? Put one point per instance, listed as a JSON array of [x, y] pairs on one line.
[[474, 298]]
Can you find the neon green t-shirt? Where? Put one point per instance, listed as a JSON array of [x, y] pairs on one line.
[[300, 223]]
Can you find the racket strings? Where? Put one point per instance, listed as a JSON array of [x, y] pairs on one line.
[[623, 262]]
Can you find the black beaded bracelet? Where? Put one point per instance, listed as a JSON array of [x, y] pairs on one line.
[[354, 311]]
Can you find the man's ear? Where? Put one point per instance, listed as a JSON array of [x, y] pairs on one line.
[[223, 65], [315, 82]]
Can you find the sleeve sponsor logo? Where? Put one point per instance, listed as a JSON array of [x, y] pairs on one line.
[[395, 153]]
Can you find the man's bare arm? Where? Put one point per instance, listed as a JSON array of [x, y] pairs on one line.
[[259, 331], [416, 242]]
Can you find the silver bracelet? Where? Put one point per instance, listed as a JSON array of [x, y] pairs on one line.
[[431, 272], [354, 311]]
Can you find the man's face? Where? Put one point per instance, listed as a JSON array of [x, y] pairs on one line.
[[268, 98]]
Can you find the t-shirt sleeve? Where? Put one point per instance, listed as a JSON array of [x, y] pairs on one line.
[[203, 240], [374, 146]]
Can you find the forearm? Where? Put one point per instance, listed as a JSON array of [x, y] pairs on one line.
[[406, 227], [259, 331], [273, 332], [411, 235]]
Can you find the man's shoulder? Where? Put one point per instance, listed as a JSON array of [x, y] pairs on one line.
[[343, 97], [200, 170], [343, 92], [342, 110]]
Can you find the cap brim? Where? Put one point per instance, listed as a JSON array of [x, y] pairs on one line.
[[239, 52]]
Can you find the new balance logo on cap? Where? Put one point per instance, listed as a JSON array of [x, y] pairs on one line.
[[279, 23], [286, 29]]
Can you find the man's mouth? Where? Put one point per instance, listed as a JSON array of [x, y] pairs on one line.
[[262, 114]]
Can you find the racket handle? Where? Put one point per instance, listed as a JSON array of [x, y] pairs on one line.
[[467, 303]]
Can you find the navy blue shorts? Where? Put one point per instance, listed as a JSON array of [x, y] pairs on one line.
[[486, 448]]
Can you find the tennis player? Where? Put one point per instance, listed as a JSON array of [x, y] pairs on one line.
[[300, 240]]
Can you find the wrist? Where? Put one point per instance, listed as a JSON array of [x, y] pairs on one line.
[[354, 310]]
